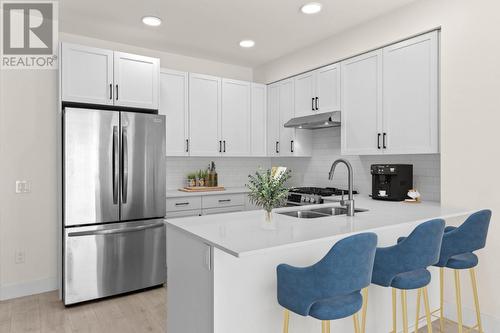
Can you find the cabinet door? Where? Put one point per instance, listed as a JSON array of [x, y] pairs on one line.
[[235, 122], [305, 95], [136, 80], [362, 104], [86, 74], [411, 96], [174, 105], [286, 112], [273, 110], [204, 115], [258, 137], [328, 88]]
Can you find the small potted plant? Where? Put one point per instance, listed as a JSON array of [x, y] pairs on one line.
[[202, 175], [191, 179], [267, 189]]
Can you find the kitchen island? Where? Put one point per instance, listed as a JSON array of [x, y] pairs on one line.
[[222, 268]]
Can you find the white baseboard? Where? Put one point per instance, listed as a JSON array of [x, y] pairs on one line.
[[490, 323], [28, 288]]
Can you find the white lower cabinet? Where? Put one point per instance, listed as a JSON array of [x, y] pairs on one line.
[[205, 204]]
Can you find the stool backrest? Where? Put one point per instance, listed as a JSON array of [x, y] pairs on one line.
[[417, 251], [347, 267], [468, 237]]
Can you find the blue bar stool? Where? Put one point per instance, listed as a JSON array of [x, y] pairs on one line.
[[329, 289], [404, 266], [457, 253]]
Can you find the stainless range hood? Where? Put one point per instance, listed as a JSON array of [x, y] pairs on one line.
[[315, 121]]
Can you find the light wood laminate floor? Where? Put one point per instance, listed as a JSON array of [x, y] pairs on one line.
[[134, 313]]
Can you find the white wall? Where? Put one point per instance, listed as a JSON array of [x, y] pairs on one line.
[[470, 104], [28, 151]]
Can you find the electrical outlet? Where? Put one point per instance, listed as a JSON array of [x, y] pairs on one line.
[[20, 257], [23, 186]]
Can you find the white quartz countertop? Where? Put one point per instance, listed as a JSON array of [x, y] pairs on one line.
[[246, 233], [181, 194]]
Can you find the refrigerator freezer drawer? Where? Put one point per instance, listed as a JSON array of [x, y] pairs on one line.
[[106, 260]]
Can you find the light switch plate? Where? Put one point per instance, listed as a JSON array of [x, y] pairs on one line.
[[23, 186]]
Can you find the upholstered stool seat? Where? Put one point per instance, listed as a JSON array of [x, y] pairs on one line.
[[412, 280], [457, 249], [404, 267], [331, 288], [337, 307]]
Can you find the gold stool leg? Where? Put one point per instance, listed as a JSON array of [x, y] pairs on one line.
[[327, 326], [323, 328], [427, 311], [476, 299], [394, 303], [365, 305], [459, 301], [419, 293], [405, 311], [286, 319], [356, 322], [441, 299]]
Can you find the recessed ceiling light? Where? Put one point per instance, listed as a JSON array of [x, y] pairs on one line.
[[311, 8], [151, 21], [247, 43]]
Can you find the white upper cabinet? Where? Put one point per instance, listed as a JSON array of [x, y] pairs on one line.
[[286, 112], [390, 99], [411, 96], [174, 105], [305, 94], [285, 141], [328, 88], [87, 74], [362, 104], [136, 80], [258, 126], [98, 76], [273, 120], [204, 115], [236, 118], [318, 91]]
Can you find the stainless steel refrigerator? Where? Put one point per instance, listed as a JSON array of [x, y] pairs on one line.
[[113, 203]]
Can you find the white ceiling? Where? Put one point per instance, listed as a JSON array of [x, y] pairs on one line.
[[212, 29]]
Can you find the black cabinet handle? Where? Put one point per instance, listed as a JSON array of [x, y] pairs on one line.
[[182, 203], [116, 92], [317, 102], [277, 147], [224, 146], [312, 104], [220, 146], [187, 145], [110, 91], [291, 146], [383, 140], [225, 200], [378, 140]]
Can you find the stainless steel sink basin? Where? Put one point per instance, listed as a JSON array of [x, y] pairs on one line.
[[320, 212], [336, 210]]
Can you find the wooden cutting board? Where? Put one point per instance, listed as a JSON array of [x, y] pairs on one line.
[[202, 189]]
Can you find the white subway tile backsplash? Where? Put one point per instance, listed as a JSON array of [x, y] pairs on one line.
[[313, 171]]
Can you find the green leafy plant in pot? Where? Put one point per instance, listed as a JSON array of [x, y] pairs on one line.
[[267, 189]]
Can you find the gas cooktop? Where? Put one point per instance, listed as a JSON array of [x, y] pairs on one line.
[[312, 195], [321, 191]]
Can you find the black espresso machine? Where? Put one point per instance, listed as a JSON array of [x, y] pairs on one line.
[[391, 181]]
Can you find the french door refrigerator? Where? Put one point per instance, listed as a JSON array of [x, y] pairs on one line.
[[113, 203]]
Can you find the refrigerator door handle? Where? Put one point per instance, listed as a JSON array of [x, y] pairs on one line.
[[124, 165], [116, 164], [115, 231]]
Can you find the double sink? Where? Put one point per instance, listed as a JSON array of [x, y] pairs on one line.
[[320, 212]]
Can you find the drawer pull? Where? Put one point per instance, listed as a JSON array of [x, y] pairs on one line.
[[181, 203], [225, 200]]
